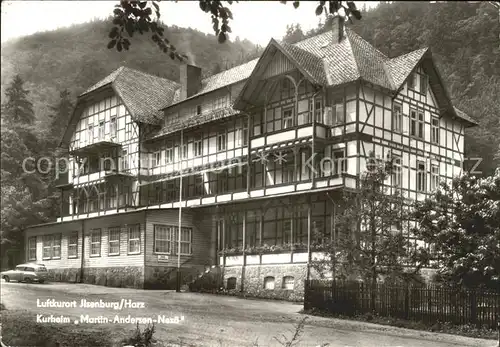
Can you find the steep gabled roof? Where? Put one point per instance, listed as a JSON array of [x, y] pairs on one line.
[[143, 94], [401, 67]]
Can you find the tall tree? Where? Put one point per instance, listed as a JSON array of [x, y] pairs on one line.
[[59, 118], [17, 109], [293, 34], [370, 240], [462, 223]]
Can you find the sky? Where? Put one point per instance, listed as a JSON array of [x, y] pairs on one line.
[[253, 20]]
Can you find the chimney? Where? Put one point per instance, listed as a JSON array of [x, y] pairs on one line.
[[338, 29], [190, 78]]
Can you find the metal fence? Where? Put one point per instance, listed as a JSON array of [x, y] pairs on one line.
[[429, 304]]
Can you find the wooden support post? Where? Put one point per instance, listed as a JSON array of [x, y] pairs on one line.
[[261, 225], [249, 157], [224, 239], [309, 220], [244, 255]]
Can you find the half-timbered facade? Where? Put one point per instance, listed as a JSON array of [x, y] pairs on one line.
[[255, 157]]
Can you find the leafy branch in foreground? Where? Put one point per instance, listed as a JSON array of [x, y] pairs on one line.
[[132, 17]]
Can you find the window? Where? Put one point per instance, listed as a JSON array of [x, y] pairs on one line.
[[73, 245], [169, 155], [435, 130], [91, 133], [340, 162], [95, 243], [434, 177], [423, 84], [166, 237], [231, 283], [184, 151], [269, 283], [288, 283], [124, 159], [198, 148], [416, 124], [51, 246], [338, 112], [112, 127], [421, 182], [198, 185], [114, 241], [318, 109], [32, 248], [221, 142], [156, 158], [101, 130], [397, 118], [397, 172], [134, 239], [287, 118], [420, 125], [411, 81], [162, 239], [198, 110], [287, 88]]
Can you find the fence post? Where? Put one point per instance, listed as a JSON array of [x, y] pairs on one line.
[[473, 307], [407, 301]]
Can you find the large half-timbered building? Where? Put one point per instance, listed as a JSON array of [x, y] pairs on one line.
[[256, 157]]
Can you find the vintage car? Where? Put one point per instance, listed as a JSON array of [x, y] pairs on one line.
[[29, 272]]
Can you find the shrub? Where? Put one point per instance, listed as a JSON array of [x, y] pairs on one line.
[[141, 338]]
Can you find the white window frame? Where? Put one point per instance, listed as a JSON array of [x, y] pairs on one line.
[[339, 161], [338, 111], [288, 283], [49, 245], [198, 148], [113, 231], [434, 176], [435, 130], [73, 245], [90, 133], [318, 109], [158, 230], [221, 142], [397, 171], [397, 118], [112, 127], [172, 245], [124, 159], [169, 155], [95, 242], [102, 130], [32, 248], [156, 158], [269, 283], [134, 240], [421, 177], [287, 118]]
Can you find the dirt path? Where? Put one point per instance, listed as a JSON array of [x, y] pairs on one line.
[[209, 320]]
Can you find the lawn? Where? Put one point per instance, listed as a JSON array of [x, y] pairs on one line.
[[19, 328]]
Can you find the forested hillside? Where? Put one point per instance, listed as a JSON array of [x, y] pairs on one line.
[[56, 66], [465, 42]]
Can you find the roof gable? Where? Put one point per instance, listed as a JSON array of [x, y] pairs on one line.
[[310, 65]]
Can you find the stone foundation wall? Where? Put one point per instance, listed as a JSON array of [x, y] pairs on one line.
[[165, 277], [125, 276], [64, 275], [253, 280]]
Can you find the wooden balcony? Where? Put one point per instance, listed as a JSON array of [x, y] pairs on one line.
[[289, 136], [97, 147]]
